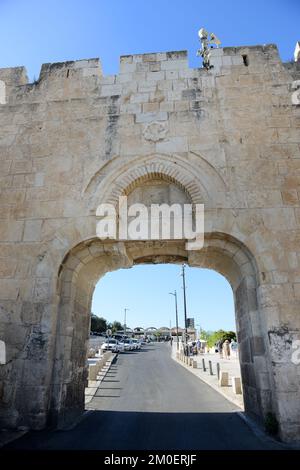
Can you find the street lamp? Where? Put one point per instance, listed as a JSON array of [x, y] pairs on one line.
[[125, 310], [176, 310], [184, 301], [198, 330]]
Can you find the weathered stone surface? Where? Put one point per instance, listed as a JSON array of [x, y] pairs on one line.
[[159, 131], [236, 385], [224, 379]]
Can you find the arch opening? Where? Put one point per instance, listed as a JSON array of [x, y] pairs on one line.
[[87, 262]]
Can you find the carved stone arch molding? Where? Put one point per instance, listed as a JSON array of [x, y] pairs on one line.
[[198, 178]]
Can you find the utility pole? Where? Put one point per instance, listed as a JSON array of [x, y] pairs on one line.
[[125, 310], [184, 302], [176, 310], [198, 334]]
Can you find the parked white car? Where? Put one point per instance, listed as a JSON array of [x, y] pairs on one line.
[[136, 343], [121, 346], [110, 345], [128, 344]]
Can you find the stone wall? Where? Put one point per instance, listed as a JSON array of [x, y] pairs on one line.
[[227, 137]]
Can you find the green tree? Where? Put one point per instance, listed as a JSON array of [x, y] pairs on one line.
[[205, 335], [98, 324], [230, 335], [116, 326], [157, 335], [212, 337]]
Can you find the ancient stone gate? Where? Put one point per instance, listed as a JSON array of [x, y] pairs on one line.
[[227, 137]]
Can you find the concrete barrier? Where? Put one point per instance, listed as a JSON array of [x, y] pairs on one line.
[[94, 369], [223, 380], [2, 352], [236, 385]]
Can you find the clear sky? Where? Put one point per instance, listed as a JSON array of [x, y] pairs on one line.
[[145, 291], [33, 32]]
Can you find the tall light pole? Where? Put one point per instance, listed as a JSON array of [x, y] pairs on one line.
[[176, 310], [184, 301], [198, 334], [125, 310]]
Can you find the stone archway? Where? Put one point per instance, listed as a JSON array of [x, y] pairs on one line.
[[90, 260], [92, 138]]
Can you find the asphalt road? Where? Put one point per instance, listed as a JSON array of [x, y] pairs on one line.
[[149, 402]]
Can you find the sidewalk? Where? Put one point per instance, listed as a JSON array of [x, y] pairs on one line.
[[93, 385], [232, 366]]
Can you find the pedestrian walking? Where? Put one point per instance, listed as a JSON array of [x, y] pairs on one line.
[[234, 348], [226, 348], [220, 348]]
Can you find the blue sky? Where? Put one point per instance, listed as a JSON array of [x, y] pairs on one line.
[[33, 32], [144, 289]]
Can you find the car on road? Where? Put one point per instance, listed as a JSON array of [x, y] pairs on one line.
[[128, 344], [121, 346], [136, 343], [110, 345]]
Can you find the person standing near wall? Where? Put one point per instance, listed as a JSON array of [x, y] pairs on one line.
[[226, 348]]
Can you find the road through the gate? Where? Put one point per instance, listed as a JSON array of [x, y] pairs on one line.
[[149, 402]]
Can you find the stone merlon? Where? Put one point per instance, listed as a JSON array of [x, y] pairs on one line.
[[81, 78]]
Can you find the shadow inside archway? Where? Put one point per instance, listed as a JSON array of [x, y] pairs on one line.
[[115, 430]]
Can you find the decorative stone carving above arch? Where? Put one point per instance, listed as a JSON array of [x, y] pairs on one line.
[[192, 173]]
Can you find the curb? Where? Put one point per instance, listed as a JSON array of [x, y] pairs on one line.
[[262, 435], [101, 375], [214, 387]]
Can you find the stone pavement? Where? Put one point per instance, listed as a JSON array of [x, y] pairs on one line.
[[232, 366]]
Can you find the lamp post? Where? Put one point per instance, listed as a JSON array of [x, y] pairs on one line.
[[184, 302], [198, 333], [125, 310], [176, 311]]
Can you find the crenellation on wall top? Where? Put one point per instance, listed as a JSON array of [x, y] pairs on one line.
[[14, 76], [244, 55], [260, 48], [154, 62], [155, 56], [139, 75], [87, 66]]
